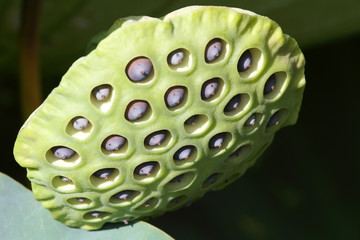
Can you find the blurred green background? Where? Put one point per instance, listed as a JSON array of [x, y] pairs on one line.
[[305, 186]]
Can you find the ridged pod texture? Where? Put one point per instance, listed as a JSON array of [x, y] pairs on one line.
[[162, 111]]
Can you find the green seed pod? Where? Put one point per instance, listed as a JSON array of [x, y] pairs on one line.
[[164, 123]]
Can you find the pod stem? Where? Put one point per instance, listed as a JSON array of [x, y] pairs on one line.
[[30, 83]]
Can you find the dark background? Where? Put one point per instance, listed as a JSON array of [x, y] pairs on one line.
[[305, 186]]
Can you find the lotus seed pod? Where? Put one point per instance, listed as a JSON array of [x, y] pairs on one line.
[[168, 122]]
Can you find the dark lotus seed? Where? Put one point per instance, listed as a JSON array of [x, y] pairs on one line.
[[176, 57], [139, 68], [177, 178], [209, 88], [217, 140], [156, 138], [270, 84], [245, 61], [212, 178], [64, 179], [124, 195], [80, 123], [183, 153], [137, 110], [233, 104], [63, 153], [114, 143], [148, 202], [213, 50], [192, 120], [237, 152], [175, 96], [146, 168], [274, 120], [96, 214], [81, 199], [251, 120], [102, 92], [104, 173]]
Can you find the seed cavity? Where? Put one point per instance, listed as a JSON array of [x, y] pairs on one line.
[[210, 88], [65, 179], [148, 204], [192, 120], [136, 110], [96, 215], [251, 121], [274, 120], [124, 197], [156, 139], [213, 50], [179, 182], [80, 123], [114, 143], [176, 201], [175, 96], [239, 154], [245, 61], [212, 179], [147, 169], [80, 202], [217, 141], [196, 124], [233, 104], [139, 69], [184, 153], [270, 85], [63, 153], [176, 57], [102, 92], [104, 173]]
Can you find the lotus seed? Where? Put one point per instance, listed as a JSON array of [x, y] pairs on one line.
[[137, 110], [104, 173], [237, 152], [80, 123], [124, 195], [175, 96], [233, 104], [183, 153], [114, 143], [81, 199], [156, 138], [213, 50], [192, 120], [217, 140], [177, 178], [251, 120], [148, 202], [274, 120], [212, 178], [64, 179], [96, 214], [146, 168], [176, 57], [139, 68], [102, 92], [270, 84], [209, 88], [63, 152], [245, 61]]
